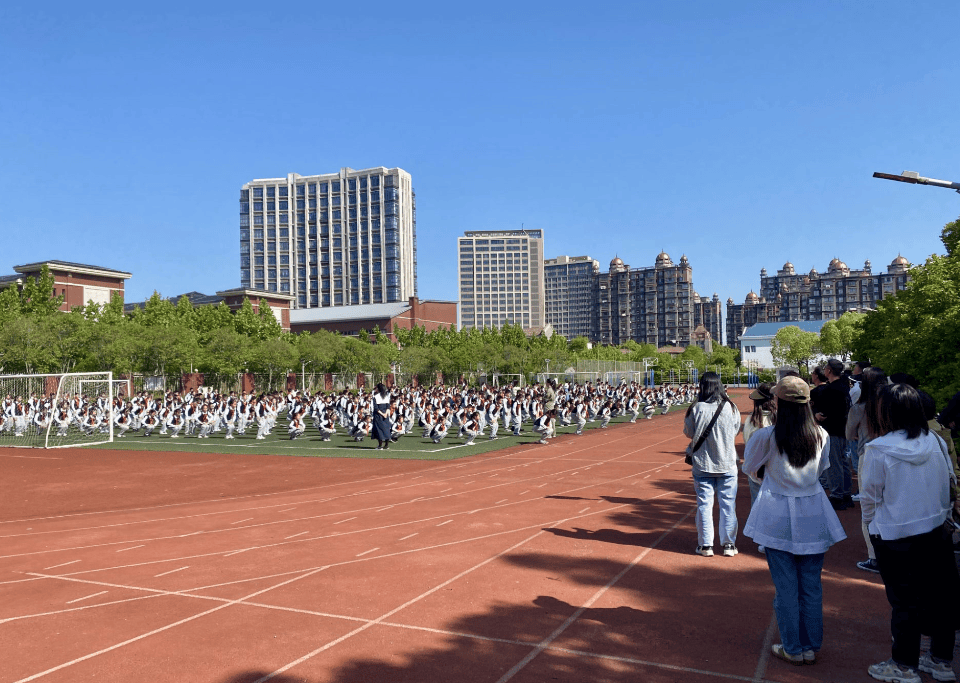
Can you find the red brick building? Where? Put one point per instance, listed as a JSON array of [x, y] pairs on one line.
[[77, 282], [349, 320]]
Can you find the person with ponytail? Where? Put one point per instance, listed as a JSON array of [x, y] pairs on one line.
[[793, 518]]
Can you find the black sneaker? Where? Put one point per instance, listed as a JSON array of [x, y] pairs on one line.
[[869, 566]]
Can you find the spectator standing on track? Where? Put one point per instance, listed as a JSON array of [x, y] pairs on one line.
[[714, 463], [831, 402], [792, 518], [858, 432], [905, 498]]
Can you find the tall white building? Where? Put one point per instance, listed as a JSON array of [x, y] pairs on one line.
[[337, 239], [500, 278]]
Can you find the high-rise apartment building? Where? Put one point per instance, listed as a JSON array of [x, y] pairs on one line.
[[652, 305], [709, 313], [570, 288], [789, 296], [337, 239], [500, 278]]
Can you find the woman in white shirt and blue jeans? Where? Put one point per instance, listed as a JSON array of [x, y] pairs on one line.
[[793, 518]]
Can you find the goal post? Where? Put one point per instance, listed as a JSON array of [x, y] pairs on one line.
[[56, 410]]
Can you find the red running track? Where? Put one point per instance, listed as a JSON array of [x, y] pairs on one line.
[[568, 562]]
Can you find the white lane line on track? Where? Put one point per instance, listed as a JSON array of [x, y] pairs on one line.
[[86, 597], [240, 521], [344, 520], [382, 509], [582, 511], [189, 592], [367, 552], [541, 485], [616, 492], [469, 482], [295, 535], [596, 596], [156, 576], [501, 501], [522, 492], [192, 533], [447, 522], [290, 510], [389, 614], [415, 499], [237, 552], [123, 550], [360, 530], [29, 457], [445, 490], [59, 565], [164, 628], [765, 650], [648, 476], [410, 536]]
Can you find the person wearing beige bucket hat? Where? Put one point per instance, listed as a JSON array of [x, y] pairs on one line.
[[792, 517]]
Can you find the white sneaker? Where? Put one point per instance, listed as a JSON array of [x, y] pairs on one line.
[[729, 550], [705, 550], [941, 671], [891, 672]]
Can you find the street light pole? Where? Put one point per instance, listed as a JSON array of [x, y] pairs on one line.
[[914, 178]]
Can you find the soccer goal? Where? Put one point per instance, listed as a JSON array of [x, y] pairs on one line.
[[56, 411]]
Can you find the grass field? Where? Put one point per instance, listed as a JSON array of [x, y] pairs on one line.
[[410, 447]]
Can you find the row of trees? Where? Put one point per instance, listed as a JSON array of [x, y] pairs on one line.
[[837, 338], [166, 338]]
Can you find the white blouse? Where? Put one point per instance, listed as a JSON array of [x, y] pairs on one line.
[[792, 512]]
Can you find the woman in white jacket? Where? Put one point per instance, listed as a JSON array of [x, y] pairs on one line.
[[904, 500], [793, 518]]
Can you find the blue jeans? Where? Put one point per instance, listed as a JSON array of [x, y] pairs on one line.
[[854, 456], [725, 488], [838, 477], [798, 603]]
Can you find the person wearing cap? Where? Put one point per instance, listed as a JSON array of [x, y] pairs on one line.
[[793, 518], [764, 414]]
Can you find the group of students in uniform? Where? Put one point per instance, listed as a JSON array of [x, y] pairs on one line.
[[433, 411]]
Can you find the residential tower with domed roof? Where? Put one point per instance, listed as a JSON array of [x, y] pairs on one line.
[[790, 296]]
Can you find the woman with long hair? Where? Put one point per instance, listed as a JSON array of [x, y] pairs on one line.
[[763, 415], [904, 499], [792, 517], [714, 463], [858, 430]]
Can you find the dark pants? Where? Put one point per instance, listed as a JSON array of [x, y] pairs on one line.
[[920, 577]]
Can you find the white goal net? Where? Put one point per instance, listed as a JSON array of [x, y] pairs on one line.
[[56, 411]]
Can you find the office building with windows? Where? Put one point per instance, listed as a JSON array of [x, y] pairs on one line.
[[500, 279], [339, 239], [570, 286]]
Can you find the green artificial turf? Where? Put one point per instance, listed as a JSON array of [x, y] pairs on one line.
[[409, 447]]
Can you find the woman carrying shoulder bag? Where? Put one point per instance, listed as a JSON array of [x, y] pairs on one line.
[[713, 422], [793, 518]]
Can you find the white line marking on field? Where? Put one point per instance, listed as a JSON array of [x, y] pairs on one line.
[[239, 521], [190, 534], [522, 492], [582, 511], [473, 511], [59, 565], [501, 501], [167, 627], [290, 510], [30, 457], [295, 535], [415, 500], [447, 522], [541, 485], [765, 650], [344, 520], [410, 536], [469, 482], [156, 576], [123, 550], [634, 483], [596, 596], [237, 552], [86, 597], [367, 552], [386, 508], [647, 477], [389, 614], [445, 490], [616, 492]]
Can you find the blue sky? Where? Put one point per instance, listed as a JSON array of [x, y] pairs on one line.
[[742, 134]]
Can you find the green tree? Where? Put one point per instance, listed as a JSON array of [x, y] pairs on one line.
[[837, 337], [275, 356], [37, 297], [793, 346]]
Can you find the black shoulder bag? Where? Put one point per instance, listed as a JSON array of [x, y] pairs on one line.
[[694, 447]]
